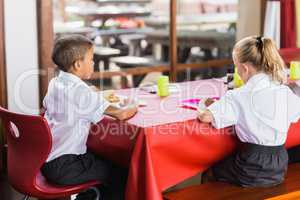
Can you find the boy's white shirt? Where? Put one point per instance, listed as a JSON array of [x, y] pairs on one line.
[[262, 111], [71, 106]]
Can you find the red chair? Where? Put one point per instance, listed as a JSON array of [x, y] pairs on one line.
[[290, 54], [29, 144]]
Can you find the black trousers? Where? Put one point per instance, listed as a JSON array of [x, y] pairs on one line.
[[253, 166], [77, 169]]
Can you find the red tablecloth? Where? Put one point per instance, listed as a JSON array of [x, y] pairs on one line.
[[164, 144]]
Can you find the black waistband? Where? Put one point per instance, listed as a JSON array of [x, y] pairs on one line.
[[261, 148]]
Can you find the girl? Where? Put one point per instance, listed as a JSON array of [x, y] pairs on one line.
[[294, 153], [261, 111]]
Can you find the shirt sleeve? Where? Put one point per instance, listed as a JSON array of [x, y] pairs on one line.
[[49, 91], [45, 101], [224, 111], [91, 105]]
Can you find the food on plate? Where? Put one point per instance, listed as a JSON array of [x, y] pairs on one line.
[[112, 98]]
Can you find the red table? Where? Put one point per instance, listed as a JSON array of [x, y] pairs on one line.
[[165, 144]]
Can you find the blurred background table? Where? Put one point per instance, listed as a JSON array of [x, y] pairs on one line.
[[163, 21]]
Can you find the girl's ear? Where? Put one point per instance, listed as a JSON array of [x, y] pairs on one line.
[[245, 68]]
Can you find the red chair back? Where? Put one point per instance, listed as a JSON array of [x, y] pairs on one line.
[[290, 54], [29, 144]]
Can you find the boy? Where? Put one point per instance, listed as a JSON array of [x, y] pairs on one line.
[[71, 106]]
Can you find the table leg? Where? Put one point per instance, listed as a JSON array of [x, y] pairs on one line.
[[64, 198], [106, 81], [165, 53], [218, 72], [96, 69], [124, 82], [137, 79]]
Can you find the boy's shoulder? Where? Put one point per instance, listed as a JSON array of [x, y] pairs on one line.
[[73, 89], [65, 79]]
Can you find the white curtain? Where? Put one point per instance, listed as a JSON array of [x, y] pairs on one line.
[[272, 21]]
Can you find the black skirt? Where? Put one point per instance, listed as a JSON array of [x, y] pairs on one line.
[[253, 166], [294, 154]]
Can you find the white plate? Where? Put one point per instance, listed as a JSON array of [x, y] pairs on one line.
[[173, 88], [119, 104]]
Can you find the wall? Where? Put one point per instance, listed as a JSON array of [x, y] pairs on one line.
[[249, 20], [21, 55]]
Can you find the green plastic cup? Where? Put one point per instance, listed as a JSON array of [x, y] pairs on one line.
[[163, 86], [295, 70], [238, 82]]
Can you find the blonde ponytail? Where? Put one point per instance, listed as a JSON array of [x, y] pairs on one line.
[[272, 61], [263, 55]]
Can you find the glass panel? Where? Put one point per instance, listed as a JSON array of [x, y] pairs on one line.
[[122, 31], [206, 31]]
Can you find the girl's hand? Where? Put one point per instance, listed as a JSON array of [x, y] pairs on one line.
[[204, 104], [209, 101], [295, 87], [205, 116]]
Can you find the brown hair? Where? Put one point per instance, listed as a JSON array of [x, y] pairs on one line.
[[262, 54], [68, 49]]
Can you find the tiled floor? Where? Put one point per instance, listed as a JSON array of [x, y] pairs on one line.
[[7, 192]]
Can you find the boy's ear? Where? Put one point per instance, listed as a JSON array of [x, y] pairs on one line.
[[77, 65]]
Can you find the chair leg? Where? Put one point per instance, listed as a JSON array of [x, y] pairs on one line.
[[63, 198], [124, 82], [26, 197]]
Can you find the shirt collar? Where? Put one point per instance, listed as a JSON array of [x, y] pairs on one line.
[[257, 78], [68, 76], [260, 80]]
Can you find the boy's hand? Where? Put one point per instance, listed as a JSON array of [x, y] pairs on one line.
[[123, 113], [128, 113]]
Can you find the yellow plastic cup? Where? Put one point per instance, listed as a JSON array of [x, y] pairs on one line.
[[295, 70], [163, 86], [237, 81]]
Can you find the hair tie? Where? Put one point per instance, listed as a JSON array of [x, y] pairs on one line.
[[259, 42]]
